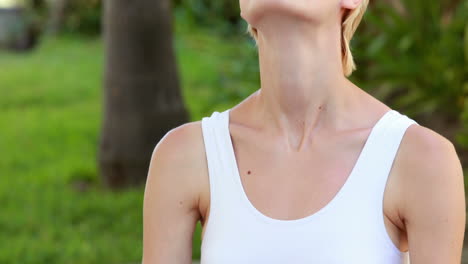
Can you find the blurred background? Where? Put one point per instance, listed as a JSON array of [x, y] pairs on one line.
[[88, 88]]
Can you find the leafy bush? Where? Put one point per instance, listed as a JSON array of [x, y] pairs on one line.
[[225, 14], [416, 57], [207, 10], [83, 16]]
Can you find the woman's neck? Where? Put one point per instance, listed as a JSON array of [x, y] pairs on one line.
[[302, 80]]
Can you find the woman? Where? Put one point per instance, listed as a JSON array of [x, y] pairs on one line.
[[297, 172]]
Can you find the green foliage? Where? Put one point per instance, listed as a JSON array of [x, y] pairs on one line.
[[84, 16], [206, 10], [416, 58], [218, 72], [220, 15]]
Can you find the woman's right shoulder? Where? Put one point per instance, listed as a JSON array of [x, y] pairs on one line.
[[179, 157], [182, 140], [182, 145], [172, 194]]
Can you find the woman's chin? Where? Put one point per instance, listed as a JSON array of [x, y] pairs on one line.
[[259, 11]]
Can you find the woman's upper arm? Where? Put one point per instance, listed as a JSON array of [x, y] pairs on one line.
[[170, 207], [434, 199]]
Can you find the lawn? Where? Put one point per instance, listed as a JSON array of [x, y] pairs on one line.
[[53, 208]]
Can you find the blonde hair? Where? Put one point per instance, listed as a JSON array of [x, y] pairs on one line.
[[350, 22]]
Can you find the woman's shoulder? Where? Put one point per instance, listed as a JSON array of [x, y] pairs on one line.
[[182, 144], [179, 157], [426, 164], [420, 144], [422, 149], [430, 187]]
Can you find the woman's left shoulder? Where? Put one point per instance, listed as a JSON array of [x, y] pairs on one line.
[[431, 191], [425, 145], [427, 164]]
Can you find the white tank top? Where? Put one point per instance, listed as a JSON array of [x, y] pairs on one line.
[[349, 229]]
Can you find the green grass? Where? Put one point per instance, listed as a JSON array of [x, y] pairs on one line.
[[53, 209]]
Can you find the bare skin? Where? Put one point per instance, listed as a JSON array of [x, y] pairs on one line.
[[311, 122]]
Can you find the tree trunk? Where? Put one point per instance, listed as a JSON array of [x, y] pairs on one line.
[[142, 99]]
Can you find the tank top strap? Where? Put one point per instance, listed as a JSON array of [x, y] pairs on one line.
[[217, 158], [368, 178], [369, 186], [383, 150]]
